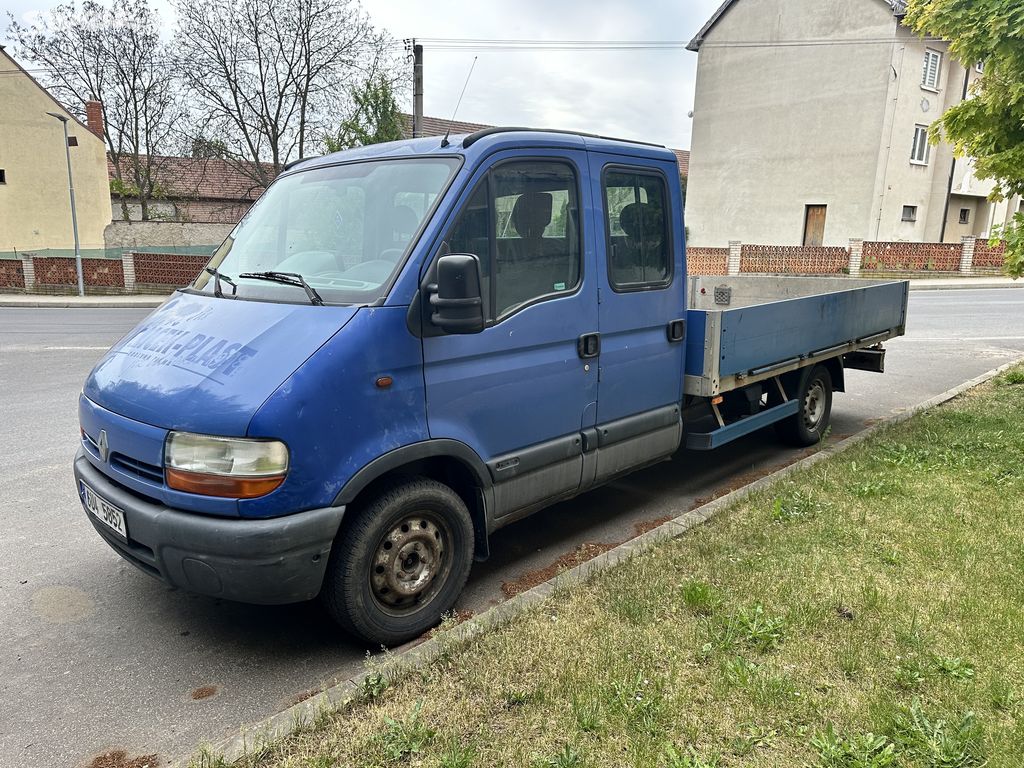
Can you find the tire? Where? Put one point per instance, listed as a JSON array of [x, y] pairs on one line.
[[399, 564], [810, 423]]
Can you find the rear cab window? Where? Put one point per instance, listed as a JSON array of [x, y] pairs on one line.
[[637, 224]]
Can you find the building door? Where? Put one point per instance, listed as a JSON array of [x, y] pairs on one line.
[[814, 225]]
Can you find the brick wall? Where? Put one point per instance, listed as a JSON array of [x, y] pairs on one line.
[[794, 259], [707, 261], [97, 273], [168, 269], [911, 257], [987, 257], [12, 274]]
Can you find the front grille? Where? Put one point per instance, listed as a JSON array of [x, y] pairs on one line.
[[148, 472], [90, 445]]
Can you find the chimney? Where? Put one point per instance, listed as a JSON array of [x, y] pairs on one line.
[[94, 117]]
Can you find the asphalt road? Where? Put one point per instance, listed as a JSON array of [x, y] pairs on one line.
[[98, 656]]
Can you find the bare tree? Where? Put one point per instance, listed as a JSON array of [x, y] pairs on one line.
[[115, 56], [269, 76]]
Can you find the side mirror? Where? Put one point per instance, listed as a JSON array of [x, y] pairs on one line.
[[456, 301]]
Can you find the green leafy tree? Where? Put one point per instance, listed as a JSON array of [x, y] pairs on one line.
[[989, 126], [374, 120]]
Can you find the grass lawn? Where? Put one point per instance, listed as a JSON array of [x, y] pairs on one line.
[[867, 613]]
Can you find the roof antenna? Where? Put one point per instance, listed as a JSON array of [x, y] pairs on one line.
[[444, 141]]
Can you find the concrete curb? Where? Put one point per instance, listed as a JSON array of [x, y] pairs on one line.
[[962, 286], [301, 715]]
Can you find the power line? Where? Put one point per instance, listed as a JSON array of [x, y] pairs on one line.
[[507, 45]]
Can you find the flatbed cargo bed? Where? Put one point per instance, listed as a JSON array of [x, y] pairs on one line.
[[741, 330]]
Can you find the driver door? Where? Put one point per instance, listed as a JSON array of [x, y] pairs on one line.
[[517, 392]]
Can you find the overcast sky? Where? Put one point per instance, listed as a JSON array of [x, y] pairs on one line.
[[642, 94]]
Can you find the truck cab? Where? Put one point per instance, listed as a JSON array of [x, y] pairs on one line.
[[400, 349]]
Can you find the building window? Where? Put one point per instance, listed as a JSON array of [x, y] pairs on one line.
[[919, 154], [72, 141], [3, 176], [932, 65], [910, 213], [980, 67], [965, 215]]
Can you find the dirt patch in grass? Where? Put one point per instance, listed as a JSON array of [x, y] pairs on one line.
[[586, 551], [452, 620], [119, 758], [746, 478], [645, 526], [301, 697]]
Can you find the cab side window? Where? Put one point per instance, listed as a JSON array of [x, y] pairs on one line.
[[522, 222], [639, 245]]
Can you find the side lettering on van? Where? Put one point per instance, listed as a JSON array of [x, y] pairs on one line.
[[167, 345]]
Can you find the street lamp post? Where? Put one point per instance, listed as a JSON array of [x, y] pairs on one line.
[[74, 214]]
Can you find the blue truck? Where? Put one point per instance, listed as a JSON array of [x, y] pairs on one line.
[[403, 347]]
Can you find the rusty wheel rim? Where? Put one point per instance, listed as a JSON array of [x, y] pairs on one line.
[[411, 563]]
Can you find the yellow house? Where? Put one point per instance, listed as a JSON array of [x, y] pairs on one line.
[[35, 207]]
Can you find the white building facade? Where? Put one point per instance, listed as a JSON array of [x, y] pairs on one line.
[[810, 127]]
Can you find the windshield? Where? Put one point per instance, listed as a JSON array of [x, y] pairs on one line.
[[345, 229]]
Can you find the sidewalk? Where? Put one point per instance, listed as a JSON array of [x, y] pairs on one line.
[[141, 301], [954, 283]]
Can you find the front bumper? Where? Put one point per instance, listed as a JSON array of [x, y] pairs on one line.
[[270, 562]]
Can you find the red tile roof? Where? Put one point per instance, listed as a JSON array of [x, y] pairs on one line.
[[436, 126], [198, 178], [683, 156], [194, 178]]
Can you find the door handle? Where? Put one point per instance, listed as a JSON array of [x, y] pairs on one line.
[[589, 345], [676, 330]]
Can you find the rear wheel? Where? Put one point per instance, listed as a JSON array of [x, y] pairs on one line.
[[400, 563], [809, 424]]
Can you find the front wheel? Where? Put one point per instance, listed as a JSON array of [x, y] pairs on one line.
[[400, 563], [810, 423]]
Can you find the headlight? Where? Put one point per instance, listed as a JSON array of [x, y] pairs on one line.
[[224, 466]]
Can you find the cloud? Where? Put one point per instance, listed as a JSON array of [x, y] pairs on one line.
[[640, 94]]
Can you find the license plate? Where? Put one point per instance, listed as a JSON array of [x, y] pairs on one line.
[[104, 511]]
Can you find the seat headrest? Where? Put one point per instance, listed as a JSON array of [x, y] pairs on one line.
[[532, 214], [640, 220], [404, 221]]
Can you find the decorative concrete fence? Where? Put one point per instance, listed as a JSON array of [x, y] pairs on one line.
[[971, 257], [133, 272], [139, 272]]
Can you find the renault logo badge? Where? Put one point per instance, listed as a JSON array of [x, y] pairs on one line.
[[103, 445]]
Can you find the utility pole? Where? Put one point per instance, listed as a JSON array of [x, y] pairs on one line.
[[417, 89], [74, 215]]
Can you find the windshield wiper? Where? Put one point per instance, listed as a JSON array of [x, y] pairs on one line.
[[287, 278], [217, 277]]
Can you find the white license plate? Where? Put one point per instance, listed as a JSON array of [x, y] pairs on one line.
[[104, 511]]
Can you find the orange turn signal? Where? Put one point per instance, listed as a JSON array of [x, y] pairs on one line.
[[221, 485], [718, 400]]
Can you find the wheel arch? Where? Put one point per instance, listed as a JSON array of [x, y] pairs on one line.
[[448, 461]]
